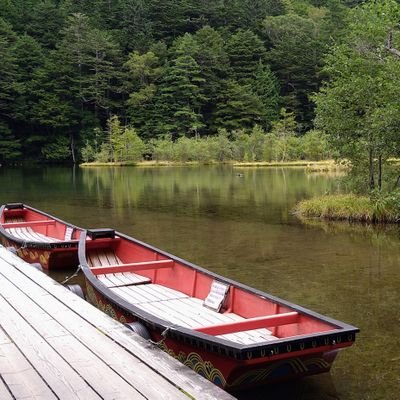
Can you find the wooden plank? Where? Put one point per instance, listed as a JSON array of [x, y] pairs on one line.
[[173, 372], [64, 381], [131, 296], [28, 234], [92, 258], [4, 391], [26, 224], [19, 378], [131, 278], [174, 319], [107, 368], [102, 257], [188, 319], [251, 323], [122, 279], [147, 293], [39, 237], [130, 267]]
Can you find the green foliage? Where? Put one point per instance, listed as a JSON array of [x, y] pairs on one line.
[[376, 209], [246, 51], [295, 55], [284, 130], [240, 145], [57, 150], [359, 107], [46, 23], [88, 153], [315, 146], [266, 87], [187, 68], [238, 107], [10, 148], [180, 97], [121, 144]]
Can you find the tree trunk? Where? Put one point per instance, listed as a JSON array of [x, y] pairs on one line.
[[389, 45], [371, 170], [380, 172], [397, 182], [72, 141]]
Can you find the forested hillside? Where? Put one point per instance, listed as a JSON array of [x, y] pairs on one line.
[[184, 68]]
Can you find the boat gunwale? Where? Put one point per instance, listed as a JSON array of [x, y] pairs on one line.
[[267, 348], [37, 244]]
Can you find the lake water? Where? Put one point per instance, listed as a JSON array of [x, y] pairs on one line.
[[238, 223]]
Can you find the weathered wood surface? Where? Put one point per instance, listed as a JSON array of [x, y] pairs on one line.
[[54, 345]]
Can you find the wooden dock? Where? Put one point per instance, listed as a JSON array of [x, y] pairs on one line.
[[54, 345]]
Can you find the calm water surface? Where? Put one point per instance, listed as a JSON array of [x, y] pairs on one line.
[[242, 227]]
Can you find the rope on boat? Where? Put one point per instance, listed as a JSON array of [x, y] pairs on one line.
[[163, 336], [68, 278], [23, 246]]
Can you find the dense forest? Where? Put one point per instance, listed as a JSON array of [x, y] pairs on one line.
[[73, 73]]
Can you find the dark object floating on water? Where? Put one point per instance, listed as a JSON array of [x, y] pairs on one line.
[[38, 237], [234, 335]]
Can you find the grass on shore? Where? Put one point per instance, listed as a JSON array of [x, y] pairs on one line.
[[141, 164], [311, 166], [349, 207], [317, 166]]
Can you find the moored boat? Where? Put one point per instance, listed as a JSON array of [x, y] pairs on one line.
[[234, 335], [39, 237]]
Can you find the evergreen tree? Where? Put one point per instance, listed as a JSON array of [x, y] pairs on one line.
[[135, 25], [46, 23], [296, 59], [143, 74], [238, 107], [180, 97], [10, 148], [94, 59], [246, 51], [213, 60], [168, 18], [8, 84], [266, 87], [28, 57]]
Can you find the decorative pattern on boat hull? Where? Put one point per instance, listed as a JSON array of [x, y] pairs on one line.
[[281, 370], [195, 362], [29, 255], [104, 306], [275, 371]]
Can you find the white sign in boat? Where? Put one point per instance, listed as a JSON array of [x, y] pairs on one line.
[[216, 297], [68, 233]]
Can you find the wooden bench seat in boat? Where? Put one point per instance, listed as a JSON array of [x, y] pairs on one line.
[[122, 279], [189, 312], [107, 258], [28, 234]]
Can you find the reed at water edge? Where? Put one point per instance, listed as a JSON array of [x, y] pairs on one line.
[[351, 207]]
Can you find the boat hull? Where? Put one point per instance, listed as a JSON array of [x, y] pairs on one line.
[[57, 256], [228, 372], [39, 237]]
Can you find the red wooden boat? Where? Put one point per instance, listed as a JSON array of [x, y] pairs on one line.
[[232, 334], [39, 237]]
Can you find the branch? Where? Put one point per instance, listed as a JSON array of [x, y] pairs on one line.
[[388, 45]]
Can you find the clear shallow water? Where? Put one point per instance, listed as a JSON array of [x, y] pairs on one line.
[[242, 227]]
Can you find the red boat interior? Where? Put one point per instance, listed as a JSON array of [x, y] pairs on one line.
[[177, 292], [29, 225]]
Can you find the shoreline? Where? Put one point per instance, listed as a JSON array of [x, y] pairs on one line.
[[325, 165]]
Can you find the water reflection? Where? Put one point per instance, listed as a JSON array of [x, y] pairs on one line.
[[242, 227]]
